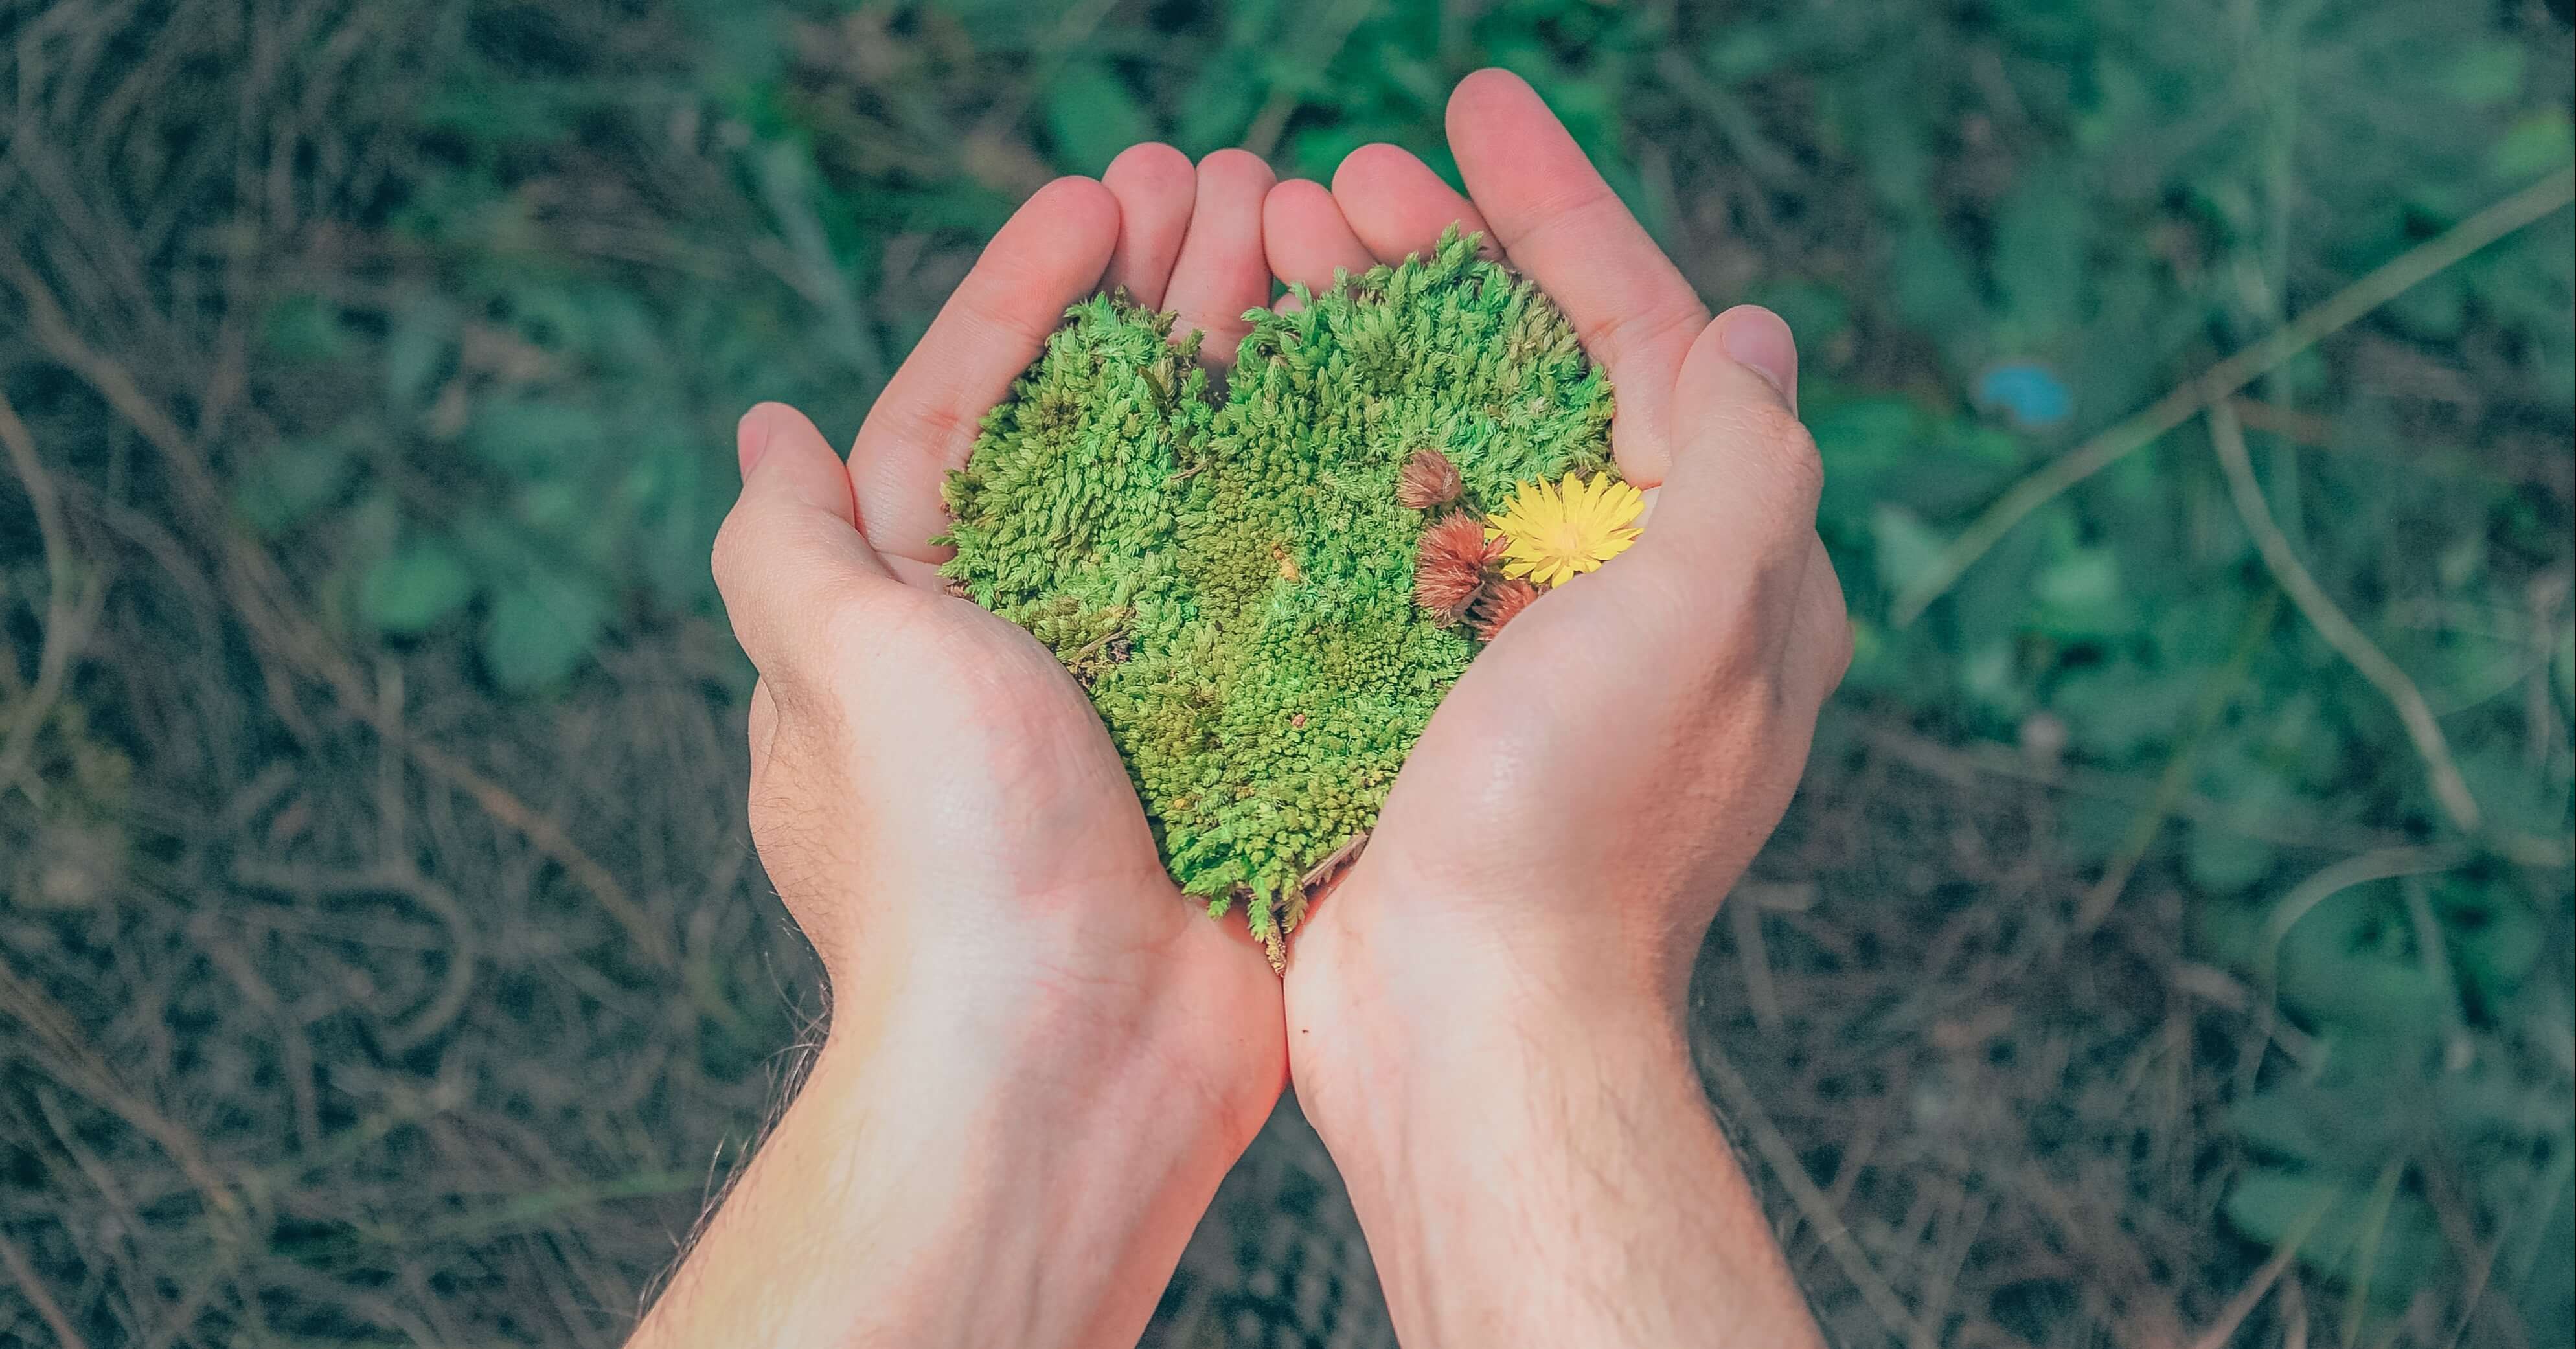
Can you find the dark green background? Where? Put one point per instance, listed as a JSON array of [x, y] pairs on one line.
[[381, 955]]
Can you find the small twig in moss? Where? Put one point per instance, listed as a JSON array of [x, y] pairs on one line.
[[1320, 877]]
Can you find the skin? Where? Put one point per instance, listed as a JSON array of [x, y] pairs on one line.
[[1483, 1020], [1038, 1048], [1497, 988]]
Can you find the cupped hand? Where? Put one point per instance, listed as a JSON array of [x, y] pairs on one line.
[[1563, 833], [935, 800]]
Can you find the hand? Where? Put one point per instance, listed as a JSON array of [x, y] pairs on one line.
[[1501, 976], [1041, 1058]]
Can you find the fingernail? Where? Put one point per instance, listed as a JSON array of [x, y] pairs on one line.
[[750, 441], [1759, 340]]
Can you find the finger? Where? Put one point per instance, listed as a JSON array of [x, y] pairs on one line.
[[1396, 204], [790, 551], [1760, 341], [1222, 270], [1561, 224], [1306, 238], [1154, 185], [1050, 254], [1745, 476]]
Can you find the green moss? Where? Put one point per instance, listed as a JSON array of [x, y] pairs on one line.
[[1232, 579]]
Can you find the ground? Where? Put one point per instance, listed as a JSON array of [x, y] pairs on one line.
[[382, 956]]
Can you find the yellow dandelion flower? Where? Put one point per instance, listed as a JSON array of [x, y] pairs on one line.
[[1551, 533]]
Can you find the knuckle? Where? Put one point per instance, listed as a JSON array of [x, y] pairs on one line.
[[1791, 450], [731, 557], [1641, 330]]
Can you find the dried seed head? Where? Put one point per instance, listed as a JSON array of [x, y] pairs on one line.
[[1501, 603], [1449, 569], [1427, 480]]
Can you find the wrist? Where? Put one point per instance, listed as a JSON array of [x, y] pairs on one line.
[[1545, 1120], [1395, 994], [1080, 1061], [1008, 1149], [1460, 1070]]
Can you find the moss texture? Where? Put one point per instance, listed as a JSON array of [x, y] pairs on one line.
[[1231, 576]]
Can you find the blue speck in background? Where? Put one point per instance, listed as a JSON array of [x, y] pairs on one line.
[[2028, 392]]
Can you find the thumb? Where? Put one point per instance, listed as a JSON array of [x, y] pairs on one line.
[[1745, 473], [790, 551]]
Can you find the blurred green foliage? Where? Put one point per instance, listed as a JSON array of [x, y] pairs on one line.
[[1998, 228]]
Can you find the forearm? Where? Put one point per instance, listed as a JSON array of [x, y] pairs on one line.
[[910, 1195], [1538, 1176]]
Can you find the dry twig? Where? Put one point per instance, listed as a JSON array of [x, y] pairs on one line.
[[2341, 633], [2228, 378], [260, 590], [66, 610], [23, 1274], [2377, 865], [1744, 1110]]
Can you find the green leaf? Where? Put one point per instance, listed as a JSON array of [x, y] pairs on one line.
[[2221, 861], [1816, 313], [2116, 711], [413, 590], [2080, 594], [1991, 676], [2272, 1205], [1933, 288], [2562, 667], [2535, 145], [2039, 256], [303, 327], [1092, 115], [2512, 794], [1742, 51], [1220, 104], [1907, 547], [535, 437], [287, 482], [2495, 936], [417, 349], [2434, 309], [2350, 962], [2283, 1123], [2486, 74], [2547, 1296], [540, 628]]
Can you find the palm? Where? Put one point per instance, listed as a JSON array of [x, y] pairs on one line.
[[988, 772], [1042, 806], [1542, 695]]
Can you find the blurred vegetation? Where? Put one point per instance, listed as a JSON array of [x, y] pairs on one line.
[[476, 289]]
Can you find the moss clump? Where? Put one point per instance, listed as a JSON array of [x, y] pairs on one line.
[[1232, 578]]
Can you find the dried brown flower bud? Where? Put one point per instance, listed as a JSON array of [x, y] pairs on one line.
[[1428, 479], [1449, 569], [1501, 603]]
